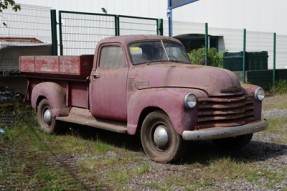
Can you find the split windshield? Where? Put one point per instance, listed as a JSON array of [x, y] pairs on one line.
[[157, 51]]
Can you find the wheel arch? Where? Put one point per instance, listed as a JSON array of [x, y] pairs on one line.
[[54, 93], [168, 100], [143, 115], [39, 99]]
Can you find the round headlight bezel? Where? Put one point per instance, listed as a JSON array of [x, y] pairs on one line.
[[190, 101], [259, 94]]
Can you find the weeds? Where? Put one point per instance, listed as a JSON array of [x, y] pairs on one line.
[[86, 159], [275, 102], [277, 126], [280, 87], [31, 160]]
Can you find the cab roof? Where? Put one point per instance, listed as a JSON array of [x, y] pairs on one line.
[[127, 39]]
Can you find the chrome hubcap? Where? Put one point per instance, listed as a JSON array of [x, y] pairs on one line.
[[47, 116], [160, 136]]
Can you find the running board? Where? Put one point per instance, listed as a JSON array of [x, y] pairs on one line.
[[84, 117]]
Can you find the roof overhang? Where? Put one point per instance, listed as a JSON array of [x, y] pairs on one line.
[[193, 36]]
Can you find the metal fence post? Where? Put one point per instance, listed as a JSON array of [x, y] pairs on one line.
[[103, 24], [206, 44], [60, 31], [54, 50], [274, 58], [244, 55], [159, 24], [117, 25], [169, 15]]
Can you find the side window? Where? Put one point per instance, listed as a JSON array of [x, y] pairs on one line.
[[112, 57]]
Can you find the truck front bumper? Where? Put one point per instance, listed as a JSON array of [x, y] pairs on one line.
[[224, 132]]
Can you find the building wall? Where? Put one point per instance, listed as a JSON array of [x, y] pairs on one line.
[[9, 56], [31, 21], [254, 15], [142, 8], [225, 18], [232, 40]]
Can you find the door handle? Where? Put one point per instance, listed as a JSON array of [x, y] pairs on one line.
[[96, 75]]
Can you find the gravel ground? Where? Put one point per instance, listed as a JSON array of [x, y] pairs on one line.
[[263, 151], [275, 113]]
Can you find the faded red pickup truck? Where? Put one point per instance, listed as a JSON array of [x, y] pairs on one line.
[[145, 85]]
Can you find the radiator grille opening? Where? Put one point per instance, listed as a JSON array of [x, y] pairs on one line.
[[225, 111]]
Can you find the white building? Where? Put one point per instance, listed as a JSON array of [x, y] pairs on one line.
[[226, 20]]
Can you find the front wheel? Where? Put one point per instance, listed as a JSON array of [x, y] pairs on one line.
[[234, 143], [45, 118], [159, 139]]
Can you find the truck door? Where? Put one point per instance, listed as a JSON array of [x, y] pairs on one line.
[[108, 88]]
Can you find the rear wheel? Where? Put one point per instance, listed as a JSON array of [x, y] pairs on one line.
[[234, 143], [159, 139], [45, 117]]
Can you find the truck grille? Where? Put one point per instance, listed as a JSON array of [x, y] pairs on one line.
[[224, 111]]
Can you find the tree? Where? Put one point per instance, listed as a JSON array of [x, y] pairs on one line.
[[4, 4]]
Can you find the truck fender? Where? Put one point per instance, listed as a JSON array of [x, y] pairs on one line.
[[250, 91], [54, 93], [169, 100]]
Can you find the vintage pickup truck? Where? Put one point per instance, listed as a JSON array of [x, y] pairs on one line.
[[145, 85]]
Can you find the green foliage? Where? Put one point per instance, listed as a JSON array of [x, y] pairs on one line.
[[4, 4], [198, 57]]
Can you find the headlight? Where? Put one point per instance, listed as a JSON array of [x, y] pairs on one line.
[[259, 94], [190, 101]]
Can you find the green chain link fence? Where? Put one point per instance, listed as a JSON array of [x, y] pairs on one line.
[[79, 32]]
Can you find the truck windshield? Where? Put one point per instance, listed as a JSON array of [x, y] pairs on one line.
[[157, 51]]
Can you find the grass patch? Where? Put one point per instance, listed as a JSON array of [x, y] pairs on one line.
[[277, 126], [122, 177], [32, 160], [275, 102], [216, 172], [280, 87], [277, 96], [142, 169], [273, 178]]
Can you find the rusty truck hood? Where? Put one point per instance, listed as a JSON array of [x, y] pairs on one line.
[[212, 80]]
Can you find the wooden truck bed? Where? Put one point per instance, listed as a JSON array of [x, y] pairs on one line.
[[71, 72], [68, 66]]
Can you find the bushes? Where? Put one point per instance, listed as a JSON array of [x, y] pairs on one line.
[[198, 57]]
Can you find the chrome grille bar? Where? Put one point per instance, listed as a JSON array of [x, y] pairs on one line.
[[224, 111]]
